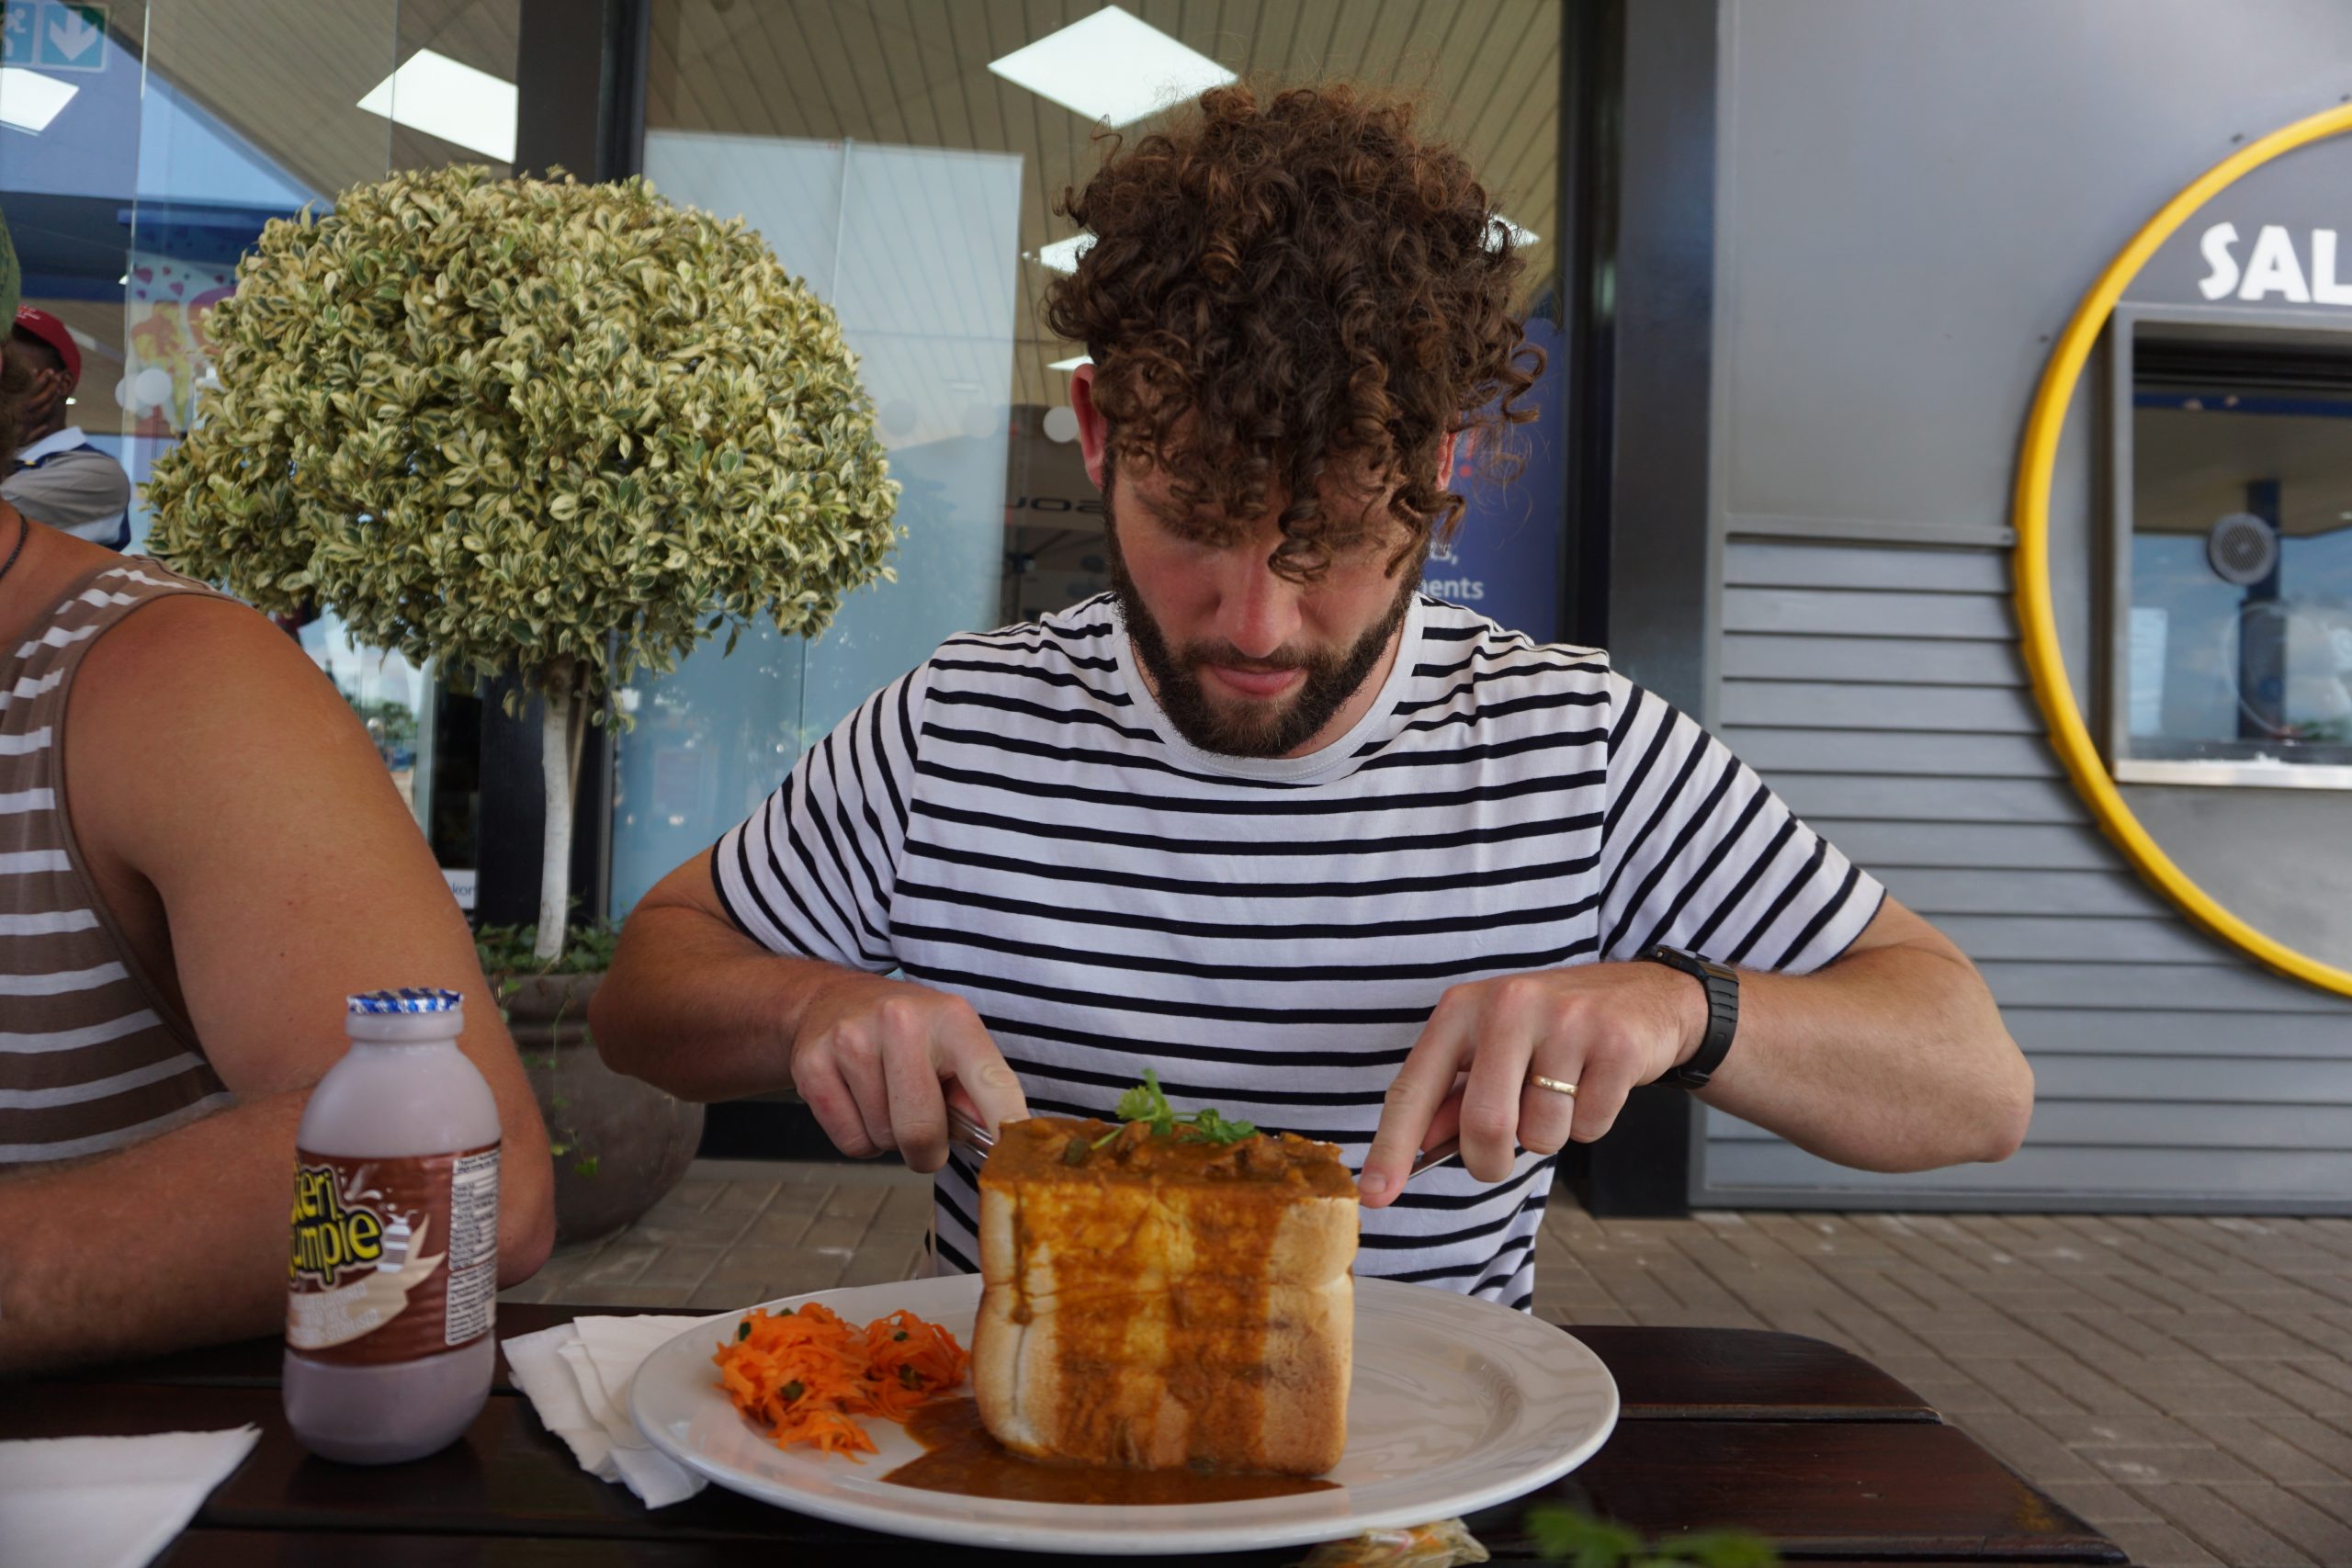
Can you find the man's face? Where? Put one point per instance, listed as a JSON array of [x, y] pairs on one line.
[[1244, 661]]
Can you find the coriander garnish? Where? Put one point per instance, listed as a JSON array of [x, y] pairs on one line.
[[1147, 1103]]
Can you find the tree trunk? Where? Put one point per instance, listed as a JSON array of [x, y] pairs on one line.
[[555, 846]]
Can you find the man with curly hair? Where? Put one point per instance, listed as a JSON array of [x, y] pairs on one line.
[[1327, 854]]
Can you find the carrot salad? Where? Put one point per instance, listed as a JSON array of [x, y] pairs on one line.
[[807, 1374]]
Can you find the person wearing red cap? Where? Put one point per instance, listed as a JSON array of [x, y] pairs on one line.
[[58, 476]]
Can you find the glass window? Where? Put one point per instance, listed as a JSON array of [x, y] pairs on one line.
[[138, 163], [2238, 648], [887, 151]]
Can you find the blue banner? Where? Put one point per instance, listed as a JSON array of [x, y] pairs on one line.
[[1505, 562]]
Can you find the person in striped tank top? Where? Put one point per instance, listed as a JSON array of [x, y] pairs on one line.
[[1329, 855], [200, 857]]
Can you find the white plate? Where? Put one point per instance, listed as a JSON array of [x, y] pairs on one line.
[[1457, 1404]]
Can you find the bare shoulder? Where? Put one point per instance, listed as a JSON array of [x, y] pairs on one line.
[[191, 711], [191, 667], [189, 641]]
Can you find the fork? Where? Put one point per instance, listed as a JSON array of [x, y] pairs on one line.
[[963, 1130]]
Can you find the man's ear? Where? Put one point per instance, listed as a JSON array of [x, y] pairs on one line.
[[1094, 430], [1445, 447]]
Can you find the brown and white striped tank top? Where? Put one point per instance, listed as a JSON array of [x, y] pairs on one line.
[[92, 1058]]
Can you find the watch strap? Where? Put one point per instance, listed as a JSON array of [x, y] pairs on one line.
[[1721, 985]]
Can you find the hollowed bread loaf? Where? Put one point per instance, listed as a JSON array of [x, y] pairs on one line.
[[1157, 1301]]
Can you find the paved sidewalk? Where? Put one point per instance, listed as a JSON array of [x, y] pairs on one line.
[[2186, 1384]]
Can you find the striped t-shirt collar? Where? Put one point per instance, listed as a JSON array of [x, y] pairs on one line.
[[1316, 767]]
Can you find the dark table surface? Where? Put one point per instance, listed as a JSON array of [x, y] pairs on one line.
[[1788, 1437]]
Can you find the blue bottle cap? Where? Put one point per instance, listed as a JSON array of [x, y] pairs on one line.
[[409, 998]]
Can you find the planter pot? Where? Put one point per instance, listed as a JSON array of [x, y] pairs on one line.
[[623, 1142]]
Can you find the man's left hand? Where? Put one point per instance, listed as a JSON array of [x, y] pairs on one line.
[[1603, 1027]]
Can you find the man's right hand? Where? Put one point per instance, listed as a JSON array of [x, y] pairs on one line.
[[46, 401], [875, 1060]]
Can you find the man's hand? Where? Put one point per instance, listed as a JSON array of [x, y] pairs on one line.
[[873, 1058], [46, 402], [1603, 1027]]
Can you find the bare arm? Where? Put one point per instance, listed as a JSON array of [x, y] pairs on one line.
[[251, 843], [695, 1006], [1894, 1057]]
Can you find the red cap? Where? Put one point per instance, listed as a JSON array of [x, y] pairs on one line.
[[49, 330]]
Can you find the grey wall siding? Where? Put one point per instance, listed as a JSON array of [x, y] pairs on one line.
[[1910, 200], [2171, 1073]]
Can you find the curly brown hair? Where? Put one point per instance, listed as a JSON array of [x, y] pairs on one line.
[[1303, 287]]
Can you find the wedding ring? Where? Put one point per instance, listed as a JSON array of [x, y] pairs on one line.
[[1554, 1085]]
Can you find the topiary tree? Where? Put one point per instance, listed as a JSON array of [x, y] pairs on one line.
[[559, 429]]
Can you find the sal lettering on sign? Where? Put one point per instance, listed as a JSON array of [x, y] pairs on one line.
[[2274, 268]]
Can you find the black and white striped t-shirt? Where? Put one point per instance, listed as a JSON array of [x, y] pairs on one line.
[[1016, 822]]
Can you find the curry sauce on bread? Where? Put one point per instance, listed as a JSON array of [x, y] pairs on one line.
[[1154, 1297]]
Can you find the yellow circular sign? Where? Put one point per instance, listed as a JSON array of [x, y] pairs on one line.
[[2036, 621]]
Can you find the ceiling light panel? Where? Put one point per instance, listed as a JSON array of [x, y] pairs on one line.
[[1112, 67], [439, 96], [29, 100], [1062, 254], [1503, 226]]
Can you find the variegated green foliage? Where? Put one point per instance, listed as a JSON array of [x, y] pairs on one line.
[[503, 423]]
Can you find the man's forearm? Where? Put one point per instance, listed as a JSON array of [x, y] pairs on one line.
[[179, 1241], [694, 1006], [1890, 1059]]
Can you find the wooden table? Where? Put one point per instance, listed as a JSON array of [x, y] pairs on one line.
[[1788, 1437]]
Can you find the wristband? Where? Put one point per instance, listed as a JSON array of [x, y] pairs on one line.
[[1721, 985]]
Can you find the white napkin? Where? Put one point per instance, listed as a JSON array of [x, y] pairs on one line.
[[577, 1377], [100, 1502]]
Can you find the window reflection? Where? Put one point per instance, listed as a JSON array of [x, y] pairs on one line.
[[188, 127], [2239, 642]]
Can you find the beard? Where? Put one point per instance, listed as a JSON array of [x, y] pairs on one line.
[[1243, 726]]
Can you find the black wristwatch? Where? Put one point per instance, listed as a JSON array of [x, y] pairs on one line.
[[1722, 986]]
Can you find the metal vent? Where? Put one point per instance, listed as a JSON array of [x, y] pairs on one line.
[[2242, 549]]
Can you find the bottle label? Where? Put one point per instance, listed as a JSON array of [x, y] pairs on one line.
[[393, 1259]]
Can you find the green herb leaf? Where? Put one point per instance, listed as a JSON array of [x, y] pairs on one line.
[[1148, 1102], [1214, 1128], [743, 1329], [792, 1391], [1562, 1534]]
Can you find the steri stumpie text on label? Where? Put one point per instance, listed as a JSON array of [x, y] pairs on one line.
[[2279, 264], [391, 1259]]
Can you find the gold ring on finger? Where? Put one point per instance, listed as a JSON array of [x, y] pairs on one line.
[[1554, 1085]]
